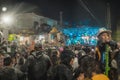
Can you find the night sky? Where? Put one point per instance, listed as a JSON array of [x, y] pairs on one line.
[[90, 12]]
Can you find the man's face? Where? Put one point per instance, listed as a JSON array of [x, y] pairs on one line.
[[105, 37]]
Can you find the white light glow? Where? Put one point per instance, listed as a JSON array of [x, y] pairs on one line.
[[21, 38], [7, 19], [4, 9], [41, 37]]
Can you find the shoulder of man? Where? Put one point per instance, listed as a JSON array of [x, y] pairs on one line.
[[8, 72]]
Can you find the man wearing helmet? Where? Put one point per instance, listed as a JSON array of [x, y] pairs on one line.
[[105, 45]]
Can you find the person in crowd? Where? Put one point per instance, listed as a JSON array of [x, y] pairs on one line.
[[55, 62], [81, 73], [38, 64], [64, 70], [95, 71], [1, 59], [55, 57], [79, 53], [13, 48], [20, 65], [7, 72], [89, 69], [105, 45]]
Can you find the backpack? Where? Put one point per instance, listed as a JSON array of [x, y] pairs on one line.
[[39, 66]]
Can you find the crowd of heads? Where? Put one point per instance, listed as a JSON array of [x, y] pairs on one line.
[[76, 62]]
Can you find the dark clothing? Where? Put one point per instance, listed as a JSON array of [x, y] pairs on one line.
[[38, 67], [102, 48], [64, 72], [118, 61], [8, 73], [52, 72]]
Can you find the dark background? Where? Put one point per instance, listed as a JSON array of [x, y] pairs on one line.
[[93, 13]]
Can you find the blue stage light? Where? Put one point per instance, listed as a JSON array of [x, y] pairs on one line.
[[82, 35]]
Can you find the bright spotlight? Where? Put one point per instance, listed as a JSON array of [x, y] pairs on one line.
[[7, 19], [4, 9]]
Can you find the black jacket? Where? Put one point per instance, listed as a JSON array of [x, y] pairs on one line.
[[8, 73], [64, 72]]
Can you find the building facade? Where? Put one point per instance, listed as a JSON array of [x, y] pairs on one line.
[[32, 21]]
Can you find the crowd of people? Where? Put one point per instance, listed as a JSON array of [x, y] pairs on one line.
[[78, 62]]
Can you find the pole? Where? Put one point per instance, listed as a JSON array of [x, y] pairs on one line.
[[108, 24], [61, 18]]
